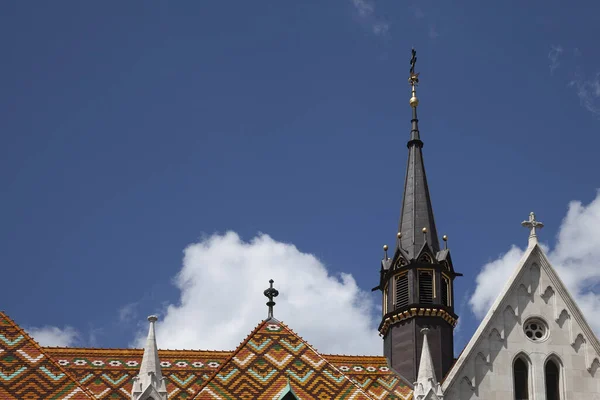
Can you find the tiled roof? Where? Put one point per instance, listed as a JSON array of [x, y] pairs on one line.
[[261, 367], [27, 372], [372, 374], [273, 356], [108, 373]]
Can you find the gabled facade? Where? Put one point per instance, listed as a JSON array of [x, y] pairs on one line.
[[534, 343]]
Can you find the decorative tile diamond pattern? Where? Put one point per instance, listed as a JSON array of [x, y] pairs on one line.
[[373, 375], [108, 373], [273, 356], [270, 358], [26, 372]]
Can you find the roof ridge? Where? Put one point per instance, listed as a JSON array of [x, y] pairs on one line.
[[121, 349], [50, 359], [284, 326], [326, 360], [350, 355], [230, 358]]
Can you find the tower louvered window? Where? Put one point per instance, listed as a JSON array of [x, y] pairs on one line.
[[425, 287], [445, 291], [401, 299]]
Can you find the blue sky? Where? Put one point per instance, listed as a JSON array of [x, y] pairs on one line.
[[133, 130]]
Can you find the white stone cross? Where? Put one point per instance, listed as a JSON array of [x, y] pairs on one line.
[[532, 224]]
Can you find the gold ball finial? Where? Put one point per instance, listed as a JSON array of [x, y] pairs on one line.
[[414, 101], [385, 247], [424, 230], [445, 237], [399, 235]]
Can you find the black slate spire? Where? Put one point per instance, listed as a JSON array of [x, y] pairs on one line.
[[417, 212], [417, 281]]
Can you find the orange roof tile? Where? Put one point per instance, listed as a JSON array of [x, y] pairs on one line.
[[269, 359], [108, 373], [27, 372], [273, 356]]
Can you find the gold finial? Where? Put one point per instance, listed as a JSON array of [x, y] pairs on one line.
[[445, 238], [413, 79], [424, 230], [399, 235], [385, 249]]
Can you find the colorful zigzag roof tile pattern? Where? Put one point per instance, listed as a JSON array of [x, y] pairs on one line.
[[373, 375], [27, 372], [273, 359], [109, 373]]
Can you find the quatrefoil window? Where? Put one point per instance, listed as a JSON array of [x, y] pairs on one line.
[[535, 329]]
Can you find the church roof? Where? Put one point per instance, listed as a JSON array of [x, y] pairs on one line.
[[273, 357], [270, 357], [108, 373], [28, 372]]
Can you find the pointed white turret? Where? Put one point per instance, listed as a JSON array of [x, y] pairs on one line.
[[427, 386], [150, 382]]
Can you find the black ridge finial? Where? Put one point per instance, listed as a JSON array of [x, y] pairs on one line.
[[271, 293]]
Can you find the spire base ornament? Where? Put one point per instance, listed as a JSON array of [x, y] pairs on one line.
[[150, 383]]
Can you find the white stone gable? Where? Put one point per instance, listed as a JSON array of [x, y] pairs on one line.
[[484, 369]]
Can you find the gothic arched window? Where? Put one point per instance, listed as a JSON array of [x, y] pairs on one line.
[[552, 375], [521, 378]]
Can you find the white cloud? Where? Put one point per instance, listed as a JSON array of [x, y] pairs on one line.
[[222, 282], [488, 285], [381, 28], [366, 11], [553, 56], [587, 87], [128, 312], [588, 91], [363, 7], [54, 336], [576, 257]]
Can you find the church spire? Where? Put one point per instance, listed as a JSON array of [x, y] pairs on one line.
[[417, 280], [416, 225], [150, 384], [426, 381]]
